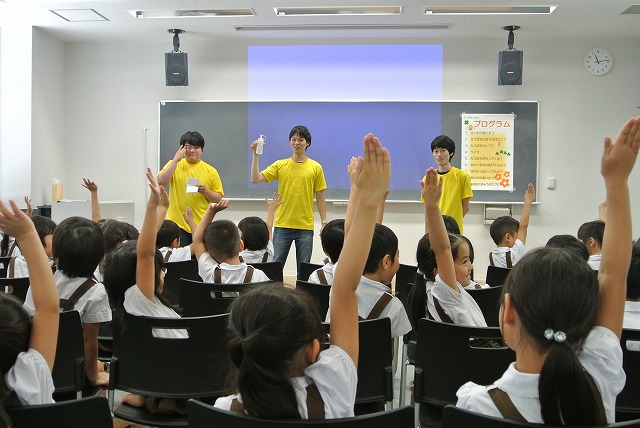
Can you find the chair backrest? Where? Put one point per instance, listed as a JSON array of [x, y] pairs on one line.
[[306, 269], [85, 412], [272, 269], [446, 359], [68, 367], [202, 298], [628, 400], [489, 301], [16, 286], [454, 417], [196, 366], [496, 275], [204, 416], [404, 276], [187, 269], [4, 266], [375, 377], [320, 294]]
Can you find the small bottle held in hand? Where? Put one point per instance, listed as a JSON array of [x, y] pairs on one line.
[[261, 140]]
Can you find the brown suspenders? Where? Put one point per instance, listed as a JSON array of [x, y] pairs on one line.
[[377, 309], [322, 277], [507, 258], [265, 257], [68, 304], [315, 404], [167, 256], [12, 268], [217, 275]]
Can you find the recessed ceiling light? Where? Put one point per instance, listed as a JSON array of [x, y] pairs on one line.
[[78, 15], [338, 27], [349, 10], [191, 13], [489, 10]]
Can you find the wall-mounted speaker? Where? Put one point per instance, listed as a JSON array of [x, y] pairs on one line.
[[176, 69], [510, 67]]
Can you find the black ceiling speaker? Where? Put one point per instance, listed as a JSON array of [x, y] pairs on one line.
[[510, 61], [175, 63]]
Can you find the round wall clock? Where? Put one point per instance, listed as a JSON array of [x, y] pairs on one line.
[[598, 61]]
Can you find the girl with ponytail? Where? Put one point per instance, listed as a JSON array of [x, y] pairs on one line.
[[563, 323]]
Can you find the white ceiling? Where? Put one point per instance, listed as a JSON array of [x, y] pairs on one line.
[[572, 18]]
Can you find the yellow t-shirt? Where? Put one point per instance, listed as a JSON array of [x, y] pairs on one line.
[[179, 199], [298, 182], [456, 186]]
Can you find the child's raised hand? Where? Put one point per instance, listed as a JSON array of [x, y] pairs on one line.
[[154, 186], [164, 197], [216, 207], [529, 194], [89, 185], [618, 158], [275, 201], [188, 215], [373, 171], [351, 170], [27, 200], [14, 222], [431, 187]]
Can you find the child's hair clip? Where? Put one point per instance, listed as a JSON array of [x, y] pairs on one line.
[[558, 336]]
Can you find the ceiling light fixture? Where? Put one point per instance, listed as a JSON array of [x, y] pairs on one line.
[[490, 10], [333, 11], [191, 13]]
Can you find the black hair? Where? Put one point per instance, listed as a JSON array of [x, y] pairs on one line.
[[569, 243], [269, 327], [4, 246], [44, 226], [555, 289], [444, 142], [426, 260], [451, 224], [255, 233], [120, 272], [332, 239], [501, 226], [78, 247], [169, 231], [591, 229], [472, 254], [115, 232], [303, 132], [192, 138], [222, 239], [633, 277], [384, 242]]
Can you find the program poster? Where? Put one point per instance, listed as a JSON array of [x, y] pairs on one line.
[[487, 150]]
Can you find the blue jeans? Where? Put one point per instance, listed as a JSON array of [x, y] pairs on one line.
[[282, 239]]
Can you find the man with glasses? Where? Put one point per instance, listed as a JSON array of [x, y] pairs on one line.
[[192, 183]]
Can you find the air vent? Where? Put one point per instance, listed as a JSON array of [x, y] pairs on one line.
[[634, 9], [78, 15]]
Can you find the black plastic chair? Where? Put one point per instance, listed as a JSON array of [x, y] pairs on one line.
[[187, 269], [408, 340], [496, 275], [320, 294], [453, 417], [272, 269], [202, 298], [628, 401], [16, 286], [196, 366], [446, 359], [306, 269], [404, 276], [84, 412], [489, 301], [204, 416], [4, 266], [68, 367]]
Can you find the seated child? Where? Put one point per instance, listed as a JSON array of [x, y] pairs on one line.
[[591, 233], [510, 235], [472, 284], [332, 238], [78, 247], [168, 242], [257, 234], [27, 346], [44, 227], [217, 247], [563, 323], [115, 233], [571, 243], [444, 269]]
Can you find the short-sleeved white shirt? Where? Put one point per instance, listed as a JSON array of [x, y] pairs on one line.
[[230, 274], [328, 273], [135, 303], [601, 356], [93, 305], [368, 293], [499, 254], [594, 261], [336, 377], [475, 286], [177, 254], [460, 307], [632, 320], [256, 256], [20, 268], [31, 379]]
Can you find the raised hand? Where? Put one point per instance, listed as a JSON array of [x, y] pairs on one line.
[[164, 197], [27, 200], [618, 158], [373, 171], [14, 222], [89, 185], [219, 206], [431, 187], [529, 194], [275, 201], [351, 170], [155, 188], [188, 215], [180, 153]]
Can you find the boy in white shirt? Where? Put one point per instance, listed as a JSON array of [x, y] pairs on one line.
[[332, 238], [44, 227], [168, 242]]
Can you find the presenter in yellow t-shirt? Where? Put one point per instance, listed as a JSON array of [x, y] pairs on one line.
[[299, 180], [456, 183], [188, 164]]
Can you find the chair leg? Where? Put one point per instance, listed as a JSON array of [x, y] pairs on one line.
[[403, 376], [416, 415]]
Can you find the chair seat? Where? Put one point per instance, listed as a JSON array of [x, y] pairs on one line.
[[142, 416]]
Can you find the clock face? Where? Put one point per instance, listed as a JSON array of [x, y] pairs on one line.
[[598, 61]]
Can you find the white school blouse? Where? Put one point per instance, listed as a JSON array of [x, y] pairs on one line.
[[460, 307], [601, 356], [328, 273], [136, 303], [180, 254], [255, 256], [500, 258], [31, 379], [336, 377]]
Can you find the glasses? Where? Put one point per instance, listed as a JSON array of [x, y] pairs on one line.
[[189, 147]]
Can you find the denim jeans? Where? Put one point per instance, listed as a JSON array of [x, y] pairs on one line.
[[282, 239]]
